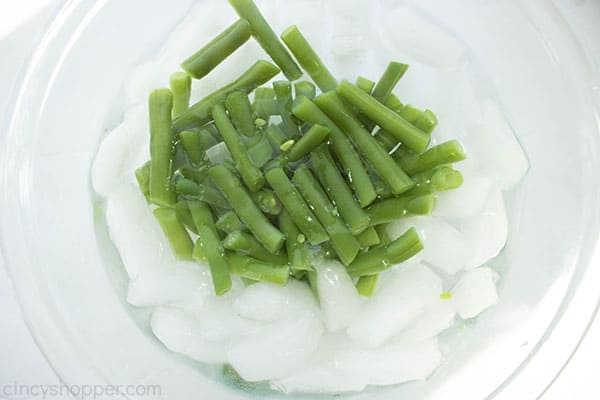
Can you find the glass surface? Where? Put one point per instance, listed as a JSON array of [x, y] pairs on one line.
[[70, 286]]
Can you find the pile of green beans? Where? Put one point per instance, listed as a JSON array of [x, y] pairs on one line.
[[264, 179]]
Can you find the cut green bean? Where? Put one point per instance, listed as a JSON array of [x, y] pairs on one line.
[[175, 232], [246, 209], [410, 113], [240, 112], [338, 191], [265, 36], [394, 103], [427, 121], [261, 151], [142, 175], [377, 260], [344, 244], [193, 173], [297, 252], [160, 104], [387, 169], [444, 153], [308, 58], [265, 108], [208, 57], [368, 238], [386, 139], [392, 209], [199, 114], [209, 245], [307, 143], [364, 84], [257, 270], [354, 169], [230, 222], [245, 243], [295, 205], [181, 86], [283, 93], [267, 201], [264, 93], [437, 180], [201, 192], [193, 146], [366, 285], [184, 215], [387, 119], [276, 137], [392, 74], [305, 88], [384, 235], [252, 176]]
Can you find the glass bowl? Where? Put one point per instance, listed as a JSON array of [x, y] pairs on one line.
[[71, 288]]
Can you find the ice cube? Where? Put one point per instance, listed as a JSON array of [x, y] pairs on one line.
[[217, 320], [408, 32], [404, 295], [276, 351], [337, 295], [438, 317], [475, 292], [467, 200]]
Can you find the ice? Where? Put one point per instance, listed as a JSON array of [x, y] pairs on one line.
[[444, 246], [135, 232], [488, 231], [467, 200], [179, 332], [269, 302], [277, 350], [114, 155], [475, 292], [219, 154], [183, 282], [392, 363], [403, 296], [504, 159], [337, 295], [408, 32], [438, 317]]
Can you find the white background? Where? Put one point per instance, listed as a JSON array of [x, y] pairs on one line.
[[22, 21]]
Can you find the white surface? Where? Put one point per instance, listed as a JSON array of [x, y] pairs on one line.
[[19, 358]]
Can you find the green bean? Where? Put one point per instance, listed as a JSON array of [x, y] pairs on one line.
[[207, 139], [387, 119], [383, 163], [444, 153], [196, 174], [199, 114], [326, 171], [308, 58], [246, 209], [265, 108], [264, 93], [356, 172], [267, 201], [344, 244], [374, 261], [366, 285], [368, 238], [240, 112], [364, 84], [251, 175], [276, 136], [435, 180], [395, 208], [202, 192], [181, 86], [384, 236], [312, 282], [160, 105], [283, 93], [261, 151], [184, 215], [305, 88], [208, 57], [265, 36], [176, 234], [245, 243], [295, 205], [248, 267], [142, 175], [297, 252], [311, 139], [427, 121], [386, 139], [230, 222], [192, 146], [394, 103], [410, 113], [392, 74], [209, 245]]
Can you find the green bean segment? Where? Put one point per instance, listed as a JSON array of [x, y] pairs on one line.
[[175, 231], [308, 142], [160, 105], [181, 86], [240, 112], [245, 243], [257, 270]]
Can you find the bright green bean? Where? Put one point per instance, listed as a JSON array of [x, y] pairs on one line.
[[208, 57], [264, 93], [283, 93], [297, 252], [265, 36], [160, 105], [356, 172], [392, 209], [366, 285], [410, 113], [364, 84], [176, 234], [368, 238], [194, 149], [436, 180], [394, 103], [257, 270], [267, 201], [184, 215], [386, 139], [444, 153], [307, 143], [247, 244], [338, 191], [305, 88], [387, 119], [261, 151], [246, 209], [276, 137], [240, 112], [308, 58], [344, 244], [202, 192], [265, 108], [295, 205], [142, 175], [196, 174], [392, 74], [181, 86], [199, 114], [230, 222], [427, 121]]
